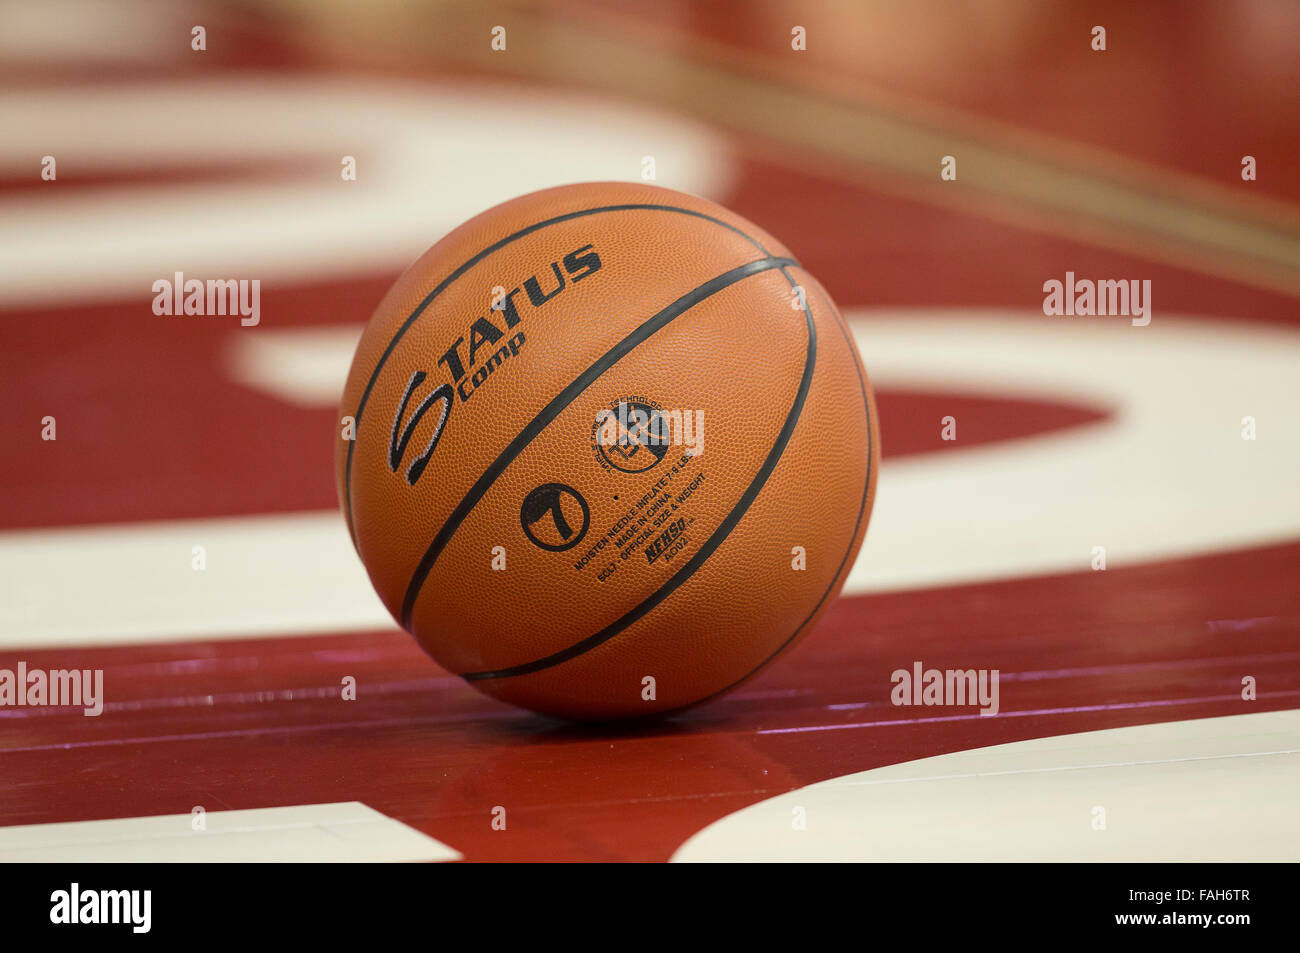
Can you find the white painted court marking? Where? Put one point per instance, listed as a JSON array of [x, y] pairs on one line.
[[1215, 789], [429, 156], [302, 366], [1170, 476], [343, 831], [266, 575]]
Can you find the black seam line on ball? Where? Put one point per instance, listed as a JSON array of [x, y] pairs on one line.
[[862, 508], [712, 543], [466, 266], [560, 402]]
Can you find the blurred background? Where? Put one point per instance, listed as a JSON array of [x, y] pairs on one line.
[[142, 139]]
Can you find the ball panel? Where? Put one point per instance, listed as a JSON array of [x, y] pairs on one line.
[[747, 603], [707, 362], [394, 521], [737, 354], [479, 243]]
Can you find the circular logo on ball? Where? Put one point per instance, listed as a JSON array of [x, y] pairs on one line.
[[555, 517], [631, 435]]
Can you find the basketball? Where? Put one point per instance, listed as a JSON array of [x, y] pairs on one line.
[[606, 450]]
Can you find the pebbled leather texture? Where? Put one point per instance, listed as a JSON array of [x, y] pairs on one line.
[[691, 309]]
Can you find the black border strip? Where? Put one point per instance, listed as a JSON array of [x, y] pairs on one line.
[[561, 401], [466, 266]]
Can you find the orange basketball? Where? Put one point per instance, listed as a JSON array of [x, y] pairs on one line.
[[607, 450]]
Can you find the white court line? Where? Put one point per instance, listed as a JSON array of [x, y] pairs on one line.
[[862, 780], [266, 575], [1161, 792], [343, 831], [416, 177], [1168, 476]]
